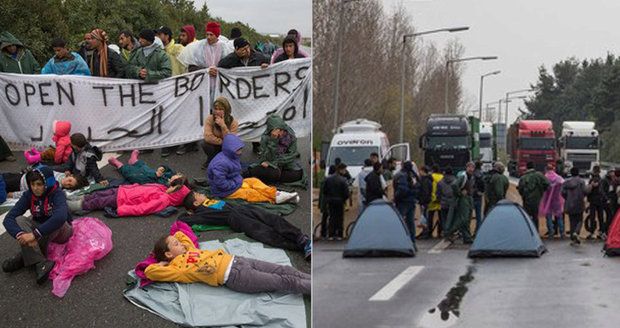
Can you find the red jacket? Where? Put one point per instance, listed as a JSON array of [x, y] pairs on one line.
[[62, 138]]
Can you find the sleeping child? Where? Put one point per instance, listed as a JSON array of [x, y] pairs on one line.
[[136, 171]]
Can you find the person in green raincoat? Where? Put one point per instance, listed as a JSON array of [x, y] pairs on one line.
[[136, 171], [278, 154], [532, 186], [459, 215], [15, 58], [496, 186], [149, 62]]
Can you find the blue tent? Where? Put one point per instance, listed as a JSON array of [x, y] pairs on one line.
[[379, 231], [507, 231]]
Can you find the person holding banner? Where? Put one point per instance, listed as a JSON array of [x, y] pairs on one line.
[[149, 62], [217, 125], [172, 49], [291, 50], [278, 154], [243, 56], [14, 57], [104, 62], [127, 42], [65, 62], [300, 52], [224, 176]]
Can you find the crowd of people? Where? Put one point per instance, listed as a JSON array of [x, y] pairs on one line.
[[448, 200], [71, 164]]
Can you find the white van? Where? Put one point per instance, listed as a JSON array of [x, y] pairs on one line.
[[354, 141], [486, 145]]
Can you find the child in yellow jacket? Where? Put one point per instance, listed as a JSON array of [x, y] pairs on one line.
[[180, 261]]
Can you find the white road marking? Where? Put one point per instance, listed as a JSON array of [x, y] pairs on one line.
[[439, 247], [103, 162], [389, 290]]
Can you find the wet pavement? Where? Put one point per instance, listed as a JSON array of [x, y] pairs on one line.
[[95, 299], [567, 287]]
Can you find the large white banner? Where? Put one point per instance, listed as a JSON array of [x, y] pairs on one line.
[[118, 114], [284, 89]]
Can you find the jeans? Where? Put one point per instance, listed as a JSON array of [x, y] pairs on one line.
[[599, 212], [253, 276], [407, 212], [336, 218], [478, 209], [558, 226], [34, 255]]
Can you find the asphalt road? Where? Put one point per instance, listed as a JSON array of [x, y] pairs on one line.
[[567, 287], [95, 299]]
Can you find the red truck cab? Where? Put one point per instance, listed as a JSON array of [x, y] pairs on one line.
[[531, 141]]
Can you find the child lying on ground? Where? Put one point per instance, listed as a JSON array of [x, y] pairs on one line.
[[256, 223], [136, 171], [135, 199], [224, 175], [180, 261], [16, 183], [83, 160]]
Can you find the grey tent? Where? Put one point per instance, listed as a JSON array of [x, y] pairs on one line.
[[379, 231], [507, 231]]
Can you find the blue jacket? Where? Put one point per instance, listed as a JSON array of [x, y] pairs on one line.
[[2, 190], [404, 190], [224, 171], [50, 210], [76, 66]]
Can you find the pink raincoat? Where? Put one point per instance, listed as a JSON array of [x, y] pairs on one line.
[[137, 200], [552, 200], [62, 139]]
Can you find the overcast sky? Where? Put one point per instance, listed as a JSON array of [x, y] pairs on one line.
[[525, 34], [266, 16]]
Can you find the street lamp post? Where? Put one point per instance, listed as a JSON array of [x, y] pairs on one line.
[[481, 87], [520, 97], [402, 80], [450, 61]]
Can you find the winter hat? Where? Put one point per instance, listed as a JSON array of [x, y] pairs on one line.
[[240, 43], [191, 32], [148, 35], [213, 27], [235, 32]]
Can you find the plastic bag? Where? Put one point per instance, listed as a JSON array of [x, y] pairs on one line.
[[91, 241]]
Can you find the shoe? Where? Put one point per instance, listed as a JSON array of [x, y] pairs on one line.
[[296, 201], [165, 152], [181, 150], [188, 148], [338, 238], [283, 196], [590, 237], [331, 238], [42, 270], [308, 251], [603, 236], [575, 239], [13, 264], [10, 158]]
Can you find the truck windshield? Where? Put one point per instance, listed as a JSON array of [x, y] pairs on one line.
[[485, 140], [447, 142], [581, 142], [352, 156], [537, 143]]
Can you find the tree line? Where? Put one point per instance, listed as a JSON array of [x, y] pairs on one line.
[[581, 90]]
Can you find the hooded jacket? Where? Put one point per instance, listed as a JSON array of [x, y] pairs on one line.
[[435, 204], [280, 152], [232, 60], [137, 200], [50, 210], [461, 206], [224, 171], [574, 192], [406, 185], [552, 201], [22, 63], [213, 134], [531, 187], [283, 56], [63, 141], [300, 51], [84, 163], [66, 66], [157, 64], [125, 53], [444, 191], [596, 196], [495, 188], [191, 32], [141, 173], [173, 50]]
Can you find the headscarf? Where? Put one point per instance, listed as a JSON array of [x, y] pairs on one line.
[[228, 119], [102, 36]]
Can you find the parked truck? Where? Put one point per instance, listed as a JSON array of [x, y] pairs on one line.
[[579, 146], [486, 145], [530, 141], [448, 141]]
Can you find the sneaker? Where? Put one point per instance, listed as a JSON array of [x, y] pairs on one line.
[[331, 238], [165, 152], [575, 239], [13, 264], [42, 270], [181, 150], [338, 238], [10, 158], [590, 237], [283, 196], [604, 236], [308, 251]]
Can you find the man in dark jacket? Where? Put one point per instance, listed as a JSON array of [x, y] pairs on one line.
[[445, 197], [574, 192], [83, 160], [336, 193], [609, 187], [478, 192], [532, 186], [596, 198], [243, 56], [149, 62], [50, 222], [496, 186], [406, 191], [425, 197], [375, 184], [104, 61]]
